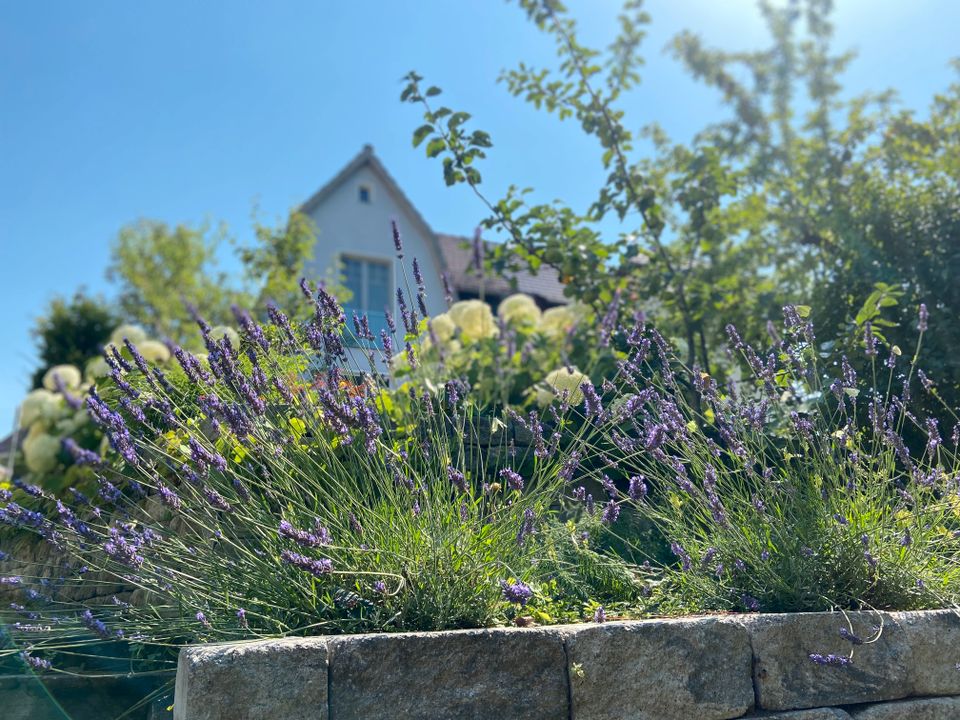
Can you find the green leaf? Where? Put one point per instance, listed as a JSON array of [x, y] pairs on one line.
[[433, 91], [421, 133], [457, 119], [436, 146]]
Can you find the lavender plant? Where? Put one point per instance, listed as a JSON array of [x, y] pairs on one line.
[[798, 487], [274, 488]]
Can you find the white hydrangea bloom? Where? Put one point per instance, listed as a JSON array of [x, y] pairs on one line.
[[156, 352], [40, 404], [133, 333], [557, 321], [519, 309], [474, 318], [399, 363], [559, 380], [68, 374], [443, 327], [41, 453], [221, 331], [97, 368], [73, 423]]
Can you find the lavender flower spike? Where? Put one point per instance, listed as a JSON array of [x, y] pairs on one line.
[[516, 592]]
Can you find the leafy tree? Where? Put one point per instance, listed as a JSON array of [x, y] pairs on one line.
[[162, 271], [158, 269], [802, 195], [276, 263], [71, 331]]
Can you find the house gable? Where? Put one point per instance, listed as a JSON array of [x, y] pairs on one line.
[[353, 213]]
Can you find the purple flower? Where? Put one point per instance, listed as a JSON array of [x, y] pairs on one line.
[[314, 566], [447, 290], [527, 527], [204, 459], [933, 435], [638, 488], [791, 318], [456, 477], [35, 662], [417, 274], [242, 618], [750, 603], [123, 550], [609, 486], [94, 625], [850, 637], [397, 241], [168, 496], [611, 511], [600, 615], [516, 592], [569, 466], [29, 488], [677, 549], [216, 500], [924, 317], [592, 404], [869, 340], [833, 660], [355, 527], [81, 456], [302, 537], [202, 619], [513, 479]]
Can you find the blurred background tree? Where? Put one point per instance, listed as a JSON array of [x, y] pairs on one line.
[[157, 268], [71, 331]]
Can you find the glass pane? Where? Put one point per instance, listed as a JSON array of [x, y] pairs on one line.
[[353, 280], [378, 287], [378, 322]]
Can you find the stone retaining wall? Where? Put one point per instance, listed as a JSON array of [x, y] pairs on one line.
[[706, 668]]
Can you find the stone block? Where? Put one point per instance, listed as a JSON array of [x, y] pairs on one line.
[[660, 669], [260, 680], [809, 714], [786, 679], [944, 708], [467, 674], [933, 637]]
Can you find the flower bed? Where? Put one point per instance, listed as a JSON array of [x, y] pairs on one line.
[[710, 668]]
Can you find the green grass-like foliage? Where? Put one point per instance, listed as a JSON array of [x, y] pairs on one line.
[[798, 487]]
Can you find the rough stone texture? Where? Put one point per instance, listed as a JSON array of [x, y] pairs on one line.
[[253, 681], [466, 674], [811, 714], [786, 679], [944, 708], [660, 669], [934, 641]]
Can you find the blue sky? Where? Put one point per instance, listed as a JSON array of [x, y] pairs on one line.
[[111, 111]]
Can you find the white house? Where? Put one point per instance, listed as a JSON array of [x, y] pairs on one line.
[[353, 212]]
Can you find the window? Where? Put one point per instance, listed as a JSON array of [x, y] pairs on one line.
[[363, 194], [371, 289]]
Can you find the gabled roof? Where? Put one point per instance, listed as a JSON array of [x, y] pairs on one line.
[[452, 252], [367, 157], [457, 252]]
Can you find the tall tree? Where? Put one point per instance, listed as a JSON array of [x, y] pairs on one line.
[[159, 270], [71, 331]]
